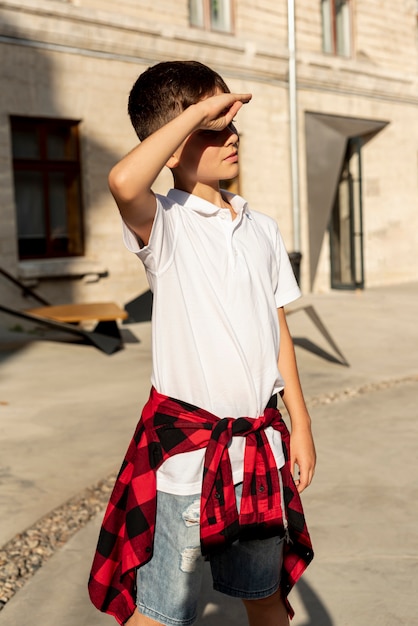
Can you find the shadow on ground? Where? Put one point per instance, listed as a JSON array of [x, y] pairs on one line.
[[216, 608]]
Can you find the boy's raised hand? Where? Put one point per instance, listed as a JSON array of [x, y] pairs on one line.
[[219, 110]]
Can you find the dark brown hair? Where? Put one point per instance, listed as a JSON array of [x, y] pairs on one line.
[[164, 90]]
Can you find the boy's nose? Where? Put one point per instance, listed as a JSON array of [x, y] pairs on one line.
[[233, 137]]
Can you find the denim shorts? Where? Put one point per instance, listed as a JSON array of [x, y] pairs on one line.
[[168, 586]]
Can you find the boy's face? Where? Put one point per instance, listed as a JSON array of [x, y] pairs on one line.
[[208, 156]]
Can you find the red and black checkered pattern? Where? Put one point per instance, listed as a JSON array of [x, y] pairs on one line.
[[169, 427]]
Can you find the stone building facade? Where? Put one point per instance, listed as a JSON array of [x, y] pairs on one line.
[[347, 182]]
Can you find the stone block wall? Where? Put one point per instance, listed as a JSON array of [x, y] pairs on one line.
[[79, 59]]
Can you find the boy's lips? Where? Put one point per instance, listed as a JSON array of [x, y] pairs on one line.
[[233, 157]]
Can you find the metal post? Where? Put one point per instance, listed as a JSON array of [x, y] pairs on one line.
[[293, 122]]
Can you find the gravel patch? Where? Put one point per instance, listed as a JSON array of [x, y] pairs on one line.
[[23, 555], [348, 394]]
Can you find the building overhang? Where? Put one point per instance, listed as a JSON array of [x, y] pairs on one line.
[[326, 139]]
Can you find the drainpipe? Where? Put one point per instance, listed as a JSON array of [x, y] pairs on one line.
[[295, 256]]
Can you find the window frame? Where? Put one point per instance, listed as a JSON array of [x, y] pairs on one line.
[[206, 23], [331, 42], [44, 165]]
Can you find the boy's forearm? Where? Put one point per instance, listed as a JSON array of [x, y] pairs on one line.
[[131, 179], [302, 448]]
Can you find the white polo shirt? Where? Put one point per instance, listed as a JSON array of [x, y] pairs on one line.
[[217, 284]]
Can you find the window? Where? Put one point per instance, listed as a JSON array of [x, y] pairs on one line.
[[336, 27], [46, 167], [211, 14]]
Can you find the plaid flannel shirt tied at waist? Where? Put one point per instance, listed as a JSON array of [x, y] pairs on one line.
[[167, 427]]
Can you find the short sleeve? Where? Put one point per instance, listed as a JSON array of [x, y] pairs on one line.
[[158, 253]]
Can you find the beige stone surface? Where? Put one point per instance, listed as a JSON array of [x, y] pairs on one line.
[[67, 413], [78, 60]]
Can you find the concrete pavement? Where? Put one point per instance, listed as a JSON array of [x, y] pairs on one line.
[[67, 412]]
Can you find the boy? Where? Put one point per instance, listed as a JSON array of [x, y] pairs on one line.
[[211, 442]]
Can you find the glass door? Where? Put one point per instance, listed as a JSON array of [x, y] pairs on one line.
[[346, 225]]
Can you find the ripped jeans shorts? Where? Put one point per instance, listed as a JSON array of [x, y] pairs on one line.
[[168, 586]]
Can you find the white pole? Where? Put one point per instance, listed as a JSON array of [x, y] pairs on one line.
[[293, 122]]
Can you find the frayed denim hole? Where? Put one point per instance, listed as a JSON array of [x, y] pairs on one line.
[[191, 515]]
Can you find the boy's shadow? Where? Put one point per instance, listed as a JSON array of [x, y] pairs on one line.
[[216, 607]]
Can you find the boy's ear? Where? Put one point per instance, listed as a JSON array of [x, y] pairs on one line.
[[172, 162]]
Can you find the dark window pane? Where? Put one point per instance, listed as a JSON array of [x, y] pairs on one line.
[[30, 204], [32, 248], [25, 142], [58, 204], [58, 213], [60, 144]]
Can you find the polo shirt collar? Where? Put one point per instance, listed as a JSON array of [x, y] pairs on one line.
[[204, 207]]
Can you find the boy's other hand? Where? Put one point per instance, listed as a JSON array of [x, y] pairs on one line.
[[219, 110], [302, 456]]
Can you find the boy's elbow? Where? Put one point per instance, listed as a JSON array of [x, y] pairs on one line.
[[125, 194], [118, 185], [137, 206]]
